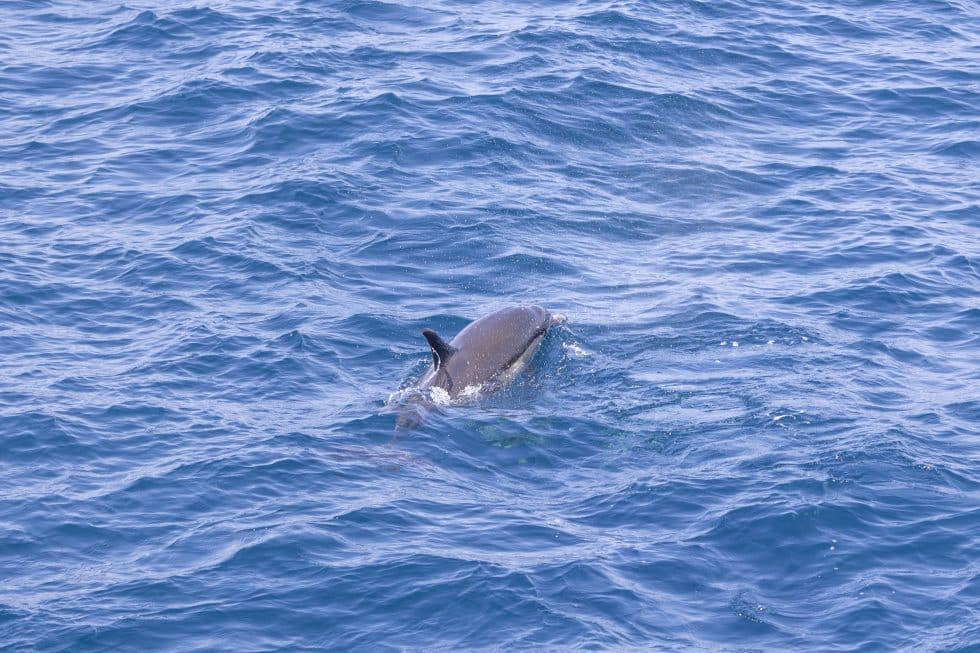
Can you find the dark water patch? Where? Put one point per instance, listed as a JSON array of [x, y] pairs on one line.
[[145, 31], [961, 150]]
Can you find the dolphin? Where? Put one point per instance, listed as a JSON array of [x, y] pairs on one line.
[[483, 357]]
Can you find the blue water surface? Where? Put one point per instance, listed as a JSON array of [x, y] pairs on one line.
[[223, 227]]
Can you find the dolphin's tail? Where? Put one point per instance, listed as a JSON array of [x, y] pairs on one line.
[[412, 414]]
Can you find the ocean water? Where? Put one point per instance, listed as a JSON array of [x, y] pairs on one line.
[[223, 227]]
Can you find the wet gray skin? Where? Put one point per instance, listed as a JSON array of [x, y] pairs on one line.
[[483, 357]]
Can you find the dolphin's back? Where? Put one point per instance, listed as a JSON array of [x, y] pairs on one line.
[[483, 356], [489, 346], [508, 331]]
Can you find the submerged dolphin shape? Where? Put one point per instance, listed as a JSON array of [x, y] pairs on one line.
[[484, 356]]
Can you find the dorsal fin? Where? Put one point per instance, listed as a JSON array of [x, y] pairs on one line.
[[441, 350]]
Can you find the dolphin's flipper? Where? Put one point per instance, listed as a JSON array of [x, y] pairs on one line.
[[441, 350]]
